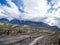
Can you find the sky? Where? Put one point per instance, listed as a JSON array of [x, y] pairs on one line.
[[47, 11]]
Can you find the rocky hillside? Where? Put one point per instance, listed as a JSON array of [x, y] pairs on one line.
[[53, 39], [35, 35]]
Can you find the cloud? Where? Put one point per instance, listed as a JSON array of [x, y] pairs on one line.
[[34, 10], [10, 12], [41, 11], [56, 3]]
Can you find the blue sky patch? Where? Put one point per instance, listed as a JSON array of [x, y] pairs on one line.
[[19, 3], [3, 2]]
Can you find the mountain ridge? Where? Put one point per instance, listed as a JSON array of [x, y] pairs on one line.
[[30, 23], [16, 21]]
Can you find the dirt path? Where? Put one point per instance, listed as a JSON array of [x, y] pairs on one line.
[[35, 40]]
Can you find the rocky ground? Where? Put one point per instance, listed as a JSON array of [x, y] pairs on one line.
[[28, 35], [19, 39], [51, 39]]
